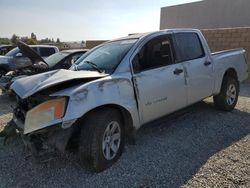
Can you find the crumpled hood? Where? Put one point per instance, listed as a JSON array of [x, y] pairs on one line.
[[30, 85], [4, 59]]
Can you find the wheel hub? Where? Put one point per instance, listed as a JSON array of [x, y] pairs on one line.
[[111, 140], [231, 94], [108, 139]]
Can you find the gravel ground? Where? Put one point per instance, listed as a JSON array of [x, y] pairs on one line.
[[197, 147]]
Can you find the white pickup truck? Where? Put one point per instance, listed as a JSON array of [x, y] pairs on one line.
[[118, 86]]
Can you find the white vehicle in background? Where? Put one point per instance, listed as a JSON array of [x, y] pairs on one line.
[[16, 59], [115, 88]]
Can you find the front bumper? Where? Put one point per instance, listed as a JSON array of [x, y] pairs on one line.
[[45, 140]]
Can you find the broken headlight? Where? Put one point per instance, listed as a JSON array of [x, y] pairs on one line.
[[45, 112]]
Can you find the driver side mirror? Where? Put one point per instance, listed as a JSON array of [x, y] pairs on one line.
[[19, 54]]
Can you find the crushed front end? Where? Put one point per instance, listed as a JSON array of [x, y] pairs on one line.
[[38, 136]]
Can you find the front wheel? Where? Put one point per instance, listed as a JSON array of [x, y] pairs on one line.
[[102, 139], [228, 96]]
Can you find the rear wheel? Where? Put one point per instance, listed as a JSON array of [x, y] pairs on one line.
[[102, 139], [228, 96]]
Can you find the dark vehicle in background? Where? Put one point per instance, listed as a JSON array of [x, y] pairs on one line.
[[64, 59], [4, 49], [16, 59], [60, 60]]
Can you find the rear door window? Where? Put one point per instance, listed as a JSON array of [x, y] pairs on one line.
[[45, 52], [189, 46]]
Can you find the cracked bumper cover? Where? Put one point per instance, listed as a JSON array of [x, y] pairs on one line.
[[50, 137]]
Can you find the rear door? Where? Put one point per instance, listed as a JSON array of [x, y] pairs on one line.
[[197, 65], [159, 82]]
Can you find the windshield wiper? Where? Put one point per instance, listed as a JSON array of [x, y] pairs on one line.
[[94, 66]]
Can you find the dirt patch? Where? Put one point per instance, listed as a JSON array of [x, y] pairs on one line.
[[228, 168], [5, 109]]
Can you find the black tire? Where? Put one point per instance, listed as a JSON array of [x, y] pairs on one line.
[[221, 100], [91, 140]]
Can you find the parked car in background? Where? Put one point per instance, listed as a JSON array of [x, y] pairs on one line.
[[15, 59], [4, 49], [117, 87], [64, 59], [59, 60]]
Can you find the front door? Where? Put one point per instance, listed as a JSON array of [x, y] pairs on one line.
[[160, 84]]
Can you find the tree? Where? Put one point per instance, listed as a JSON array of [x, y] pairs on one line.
[[24, 39], [31, 41], [33, 36], [14, 39], [45, 41], [28, 40], [57, 40], [5, 41]]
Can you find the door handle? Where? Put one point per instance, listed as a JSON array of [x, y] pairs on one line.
[[178, 71], [207, 63]]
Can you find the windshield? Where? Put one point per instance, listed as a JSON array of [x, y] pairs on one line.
[[106, 57], [13, 52], [55, 58]]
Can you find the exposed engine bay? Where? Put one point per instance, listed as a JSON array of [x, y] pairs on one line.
[[11, 76]]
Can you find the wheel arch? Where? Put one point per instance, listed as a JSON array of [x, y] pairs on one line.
[[126, 116], [230, 72], [221, 99], [126, 119]]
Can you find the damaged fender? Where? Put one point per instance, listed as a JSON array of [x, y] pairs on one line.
[[111, 90]]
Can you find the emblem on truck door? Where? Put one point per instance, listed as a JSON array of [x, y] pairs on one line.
[[156, 101]]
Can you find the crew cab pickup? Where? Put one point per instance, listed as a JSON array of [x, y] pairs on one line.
[[115, 88]]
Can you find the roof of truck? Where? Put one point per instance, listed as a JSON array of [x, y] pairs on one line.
[[140, 35]]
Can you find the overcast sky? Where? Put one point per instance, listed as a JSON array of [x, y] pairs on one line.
[[75, 20]]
